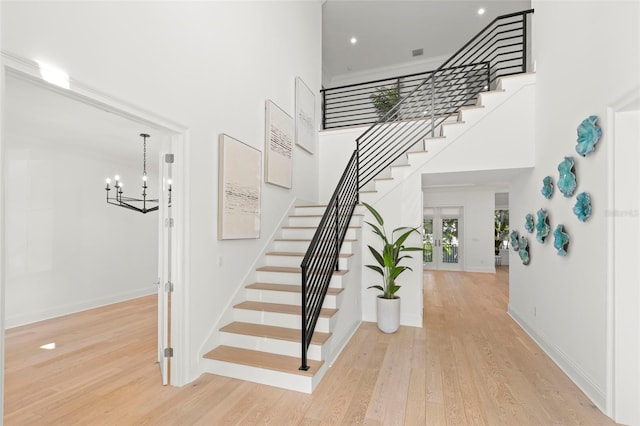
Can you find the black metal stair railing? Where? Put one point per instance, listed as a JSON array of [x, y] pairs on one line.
[[500, 49], [351, 105]]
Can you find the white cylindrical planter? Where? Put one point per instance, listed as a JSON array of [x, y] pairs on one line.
[[388, 314]]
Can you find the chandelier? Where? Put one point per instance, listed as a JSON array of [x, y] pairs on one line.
[[137, 204]]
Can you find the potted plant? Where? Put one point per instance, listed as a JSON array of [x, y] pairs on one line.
[[384, 99], [388, 259]]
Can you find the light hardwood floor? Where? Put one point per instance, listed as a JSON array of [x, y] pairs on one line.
[[470, 364]]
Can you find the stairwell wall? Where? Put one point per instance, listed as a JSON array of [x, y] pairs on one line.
[[561, 301], [209, 66]]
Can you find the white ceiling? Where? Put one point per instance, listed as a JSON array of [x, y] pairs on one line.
[[387, 31], [497, 179], [36, 113]]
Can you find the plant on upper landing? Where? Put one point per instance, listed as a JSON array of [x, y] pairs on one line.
[[384, 99], [390, 255]]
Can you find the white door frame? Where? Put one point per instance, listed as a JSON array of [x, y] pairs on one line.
[[29, 70], [623, 336]]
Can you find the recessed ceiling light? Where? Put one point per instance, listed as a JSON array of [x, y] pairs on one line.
[[353, 40], [481, 11]]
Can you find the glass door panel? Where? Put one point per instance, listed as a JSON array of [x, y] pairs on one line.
[[450, 243], [442, 238]]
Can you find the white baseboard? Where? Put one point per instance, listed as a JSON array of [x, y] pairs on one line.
[[568, 366], [72, 308]]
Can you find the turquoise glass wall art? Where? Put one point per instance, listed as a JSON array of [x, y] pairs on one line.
[[561, 240], [582, 209], [547, 187], [542, 227], [567, 181], [514, 240], [528, 223], [588, 136], [523, 250]]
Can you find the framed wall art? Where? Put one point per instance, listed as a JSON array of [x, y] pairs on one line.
[[239, 180], [278, 146], [305, 117]]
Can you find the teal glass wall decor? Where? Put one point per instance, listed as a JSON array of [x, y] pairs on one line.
[[523, 250], [528, 223], [588, 136], [567, 181], [582, 209], [514, 240], [561, 240], [542, 227], [547, 187]]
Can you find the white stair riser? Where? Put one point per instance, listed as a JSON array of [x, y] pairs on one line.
[[260, 375], [302, 246], [315, 221], [274, 346], [287, 297], [472, 114], [324, 325], [453, 130], [290, 278], [308, 233], [306, 211], [295, 261]]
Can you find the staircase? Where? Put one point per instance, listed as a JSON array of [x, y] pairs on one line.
[[262, 344], [305, 303]]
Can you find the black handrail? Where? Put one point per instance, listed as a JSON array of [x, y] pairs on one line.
[[422, 108]]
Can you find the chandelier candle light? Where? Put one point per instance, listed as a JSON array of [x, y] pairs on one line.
[[128, 202]]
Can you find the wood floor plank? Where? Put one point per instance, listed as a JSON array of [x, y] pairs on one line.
[[469, 364]]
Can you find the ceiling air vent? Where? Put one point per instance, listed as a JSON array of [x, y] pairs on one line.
[[417, 52]]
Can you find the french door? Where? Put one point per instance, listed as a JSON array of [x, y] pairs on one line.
[[442, 238]]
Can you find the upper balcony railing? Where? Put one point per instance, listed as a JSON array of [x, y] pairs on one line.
[[502, 47]]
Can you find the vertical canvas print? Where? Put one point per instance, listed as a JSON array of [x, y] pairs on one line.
[[305, 117], [278, 146], [239, 181]]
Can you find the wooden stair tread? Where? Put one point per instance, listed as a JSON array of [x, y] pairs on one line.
[[291, 288], [299, 254], [271, 332], [317, 215], [280, 308], [315, 227], [309, 239], [269, 361]]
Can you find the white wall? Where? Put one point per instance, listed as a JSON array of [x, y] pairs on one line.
[[392, 71], [209, 66], [561, 301], [66, 249], [477, 223]]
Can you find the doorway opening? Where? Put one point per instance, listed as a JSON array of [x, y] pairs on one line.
[[172, 138]]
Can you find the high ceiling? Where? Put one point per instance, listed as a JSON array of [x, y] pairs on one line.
[[388, 31]]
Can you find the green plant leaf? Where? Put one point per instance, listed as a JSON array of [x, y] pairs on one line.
[[376, 286], [376, 268], [376, 255], [375, 213]]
